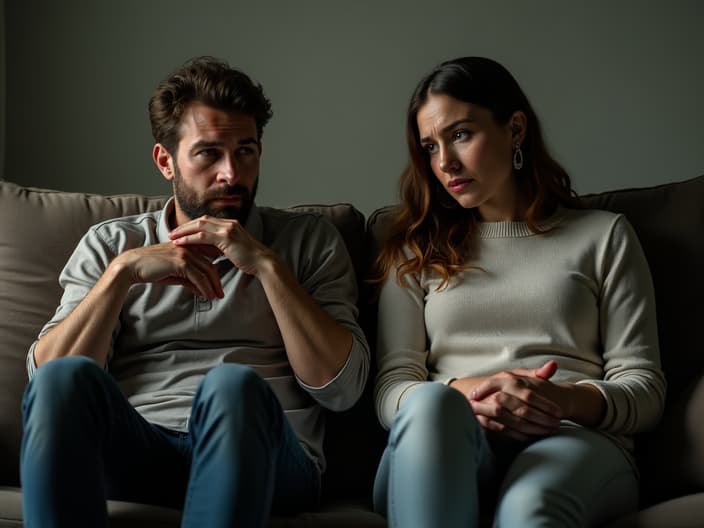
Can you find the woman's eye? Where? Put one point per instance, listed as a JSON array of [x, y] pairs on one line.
[[430, 148], [461, 134]]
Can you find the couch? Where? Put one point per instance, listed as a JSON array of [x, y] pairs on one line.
[[39, 228]]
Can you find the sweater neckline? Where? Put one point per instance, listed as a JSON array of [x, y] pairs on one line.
[[511, 229]]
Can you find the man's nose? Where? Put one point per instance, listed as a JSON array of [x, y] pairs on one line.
[[227, 171]]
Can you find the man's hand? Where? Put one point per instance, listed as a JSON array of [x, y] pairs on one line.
[[521, 403], [168, 263], [87, 329], [317, 346], [229, 237]]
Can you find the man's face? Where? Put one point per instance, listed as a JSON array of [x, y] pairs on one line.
[[233, 201], [216, 168]]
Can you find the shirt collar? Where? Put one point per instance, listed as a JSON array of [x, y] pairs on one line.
[[163, 229]]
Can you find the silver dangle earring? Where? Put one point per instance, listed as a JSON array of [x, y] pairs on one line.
[[517, 157]]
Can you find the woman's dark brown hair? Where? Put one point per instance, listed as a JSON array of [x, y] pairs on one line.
[[431, 231]]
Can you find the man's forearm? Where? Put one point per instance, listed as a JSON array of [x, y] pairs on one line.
[[316, 344], [87, 330]]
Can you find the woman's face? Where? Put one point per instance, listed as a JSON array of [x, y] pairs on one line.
[[471, 155]]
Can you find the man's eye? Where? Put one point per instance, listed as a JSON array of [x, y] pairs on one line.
[[461, 134], [207, 153], [245, 151]]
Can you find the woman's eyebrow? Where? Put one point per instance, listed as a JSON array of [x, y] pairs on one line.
[[449, 127]]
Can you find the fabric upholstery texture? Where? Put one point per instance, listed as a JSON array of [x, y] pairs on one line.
[[669, 221], [39, 228]]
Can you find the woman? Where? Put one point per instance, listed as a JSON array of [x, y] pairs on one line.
[[517, 344]]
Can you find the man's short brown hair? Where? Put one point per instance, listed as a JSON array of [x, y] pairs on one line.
[[209, 81]]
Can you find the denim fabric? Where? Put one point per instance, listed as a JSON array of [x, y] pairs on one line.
[[428, 473], [439, 467], [575, 478], [83, 442]]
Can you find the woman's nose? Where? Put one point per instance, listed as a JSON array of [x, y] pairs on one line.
[[448, 160]]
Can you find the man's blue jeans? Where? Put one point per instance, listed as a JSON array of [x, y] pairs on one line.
[[439, 463], [83, 442]]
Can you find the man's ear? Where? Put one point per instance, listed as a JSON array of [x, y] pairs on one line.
[[518, 124], [163, 161]]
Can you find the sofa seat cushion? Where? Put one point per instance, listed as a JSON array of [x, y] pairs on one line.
[[682, 512], [344, 514]]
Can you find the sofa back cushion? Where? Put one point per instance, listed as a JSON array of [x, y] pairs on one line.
[[39, 229], [669, 221]]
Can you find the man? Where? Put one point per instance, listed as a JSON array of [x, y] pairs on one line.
[[194, 347]]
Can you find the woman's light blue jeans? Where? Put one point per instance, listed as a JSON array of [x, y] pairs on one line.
[[438, 463], [83, 442]]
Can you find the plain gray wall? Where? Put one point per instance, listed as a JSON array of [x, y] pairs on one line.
[[619, 86]]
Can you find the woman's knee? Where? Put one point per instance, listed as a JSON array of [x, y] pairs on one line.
[[435, 405], [437, 413]]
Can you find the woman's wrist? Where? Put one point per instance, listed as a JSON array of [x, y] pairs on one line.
[[583, 404]]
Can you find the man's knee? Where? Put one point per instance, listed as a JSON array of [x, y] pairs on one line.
[[232, 381], [234, 391], [62, 396], [63, 379]]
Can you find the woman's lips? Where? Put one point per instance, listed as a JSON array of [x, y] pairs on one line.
[[459, 184]]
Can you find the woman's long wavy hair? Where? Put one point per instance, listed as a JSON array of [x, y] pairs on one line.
[[430, 230]]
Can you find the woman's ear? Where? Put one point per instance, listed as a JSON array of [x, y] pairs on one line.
[[519, 125], [163, 161]]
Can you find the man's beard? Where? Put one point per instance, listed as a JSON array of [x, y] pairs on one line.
[[194, 206]]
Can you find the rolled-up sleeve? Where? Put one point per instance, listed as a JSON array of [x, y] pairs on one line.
[[329, 277], [84, 267]]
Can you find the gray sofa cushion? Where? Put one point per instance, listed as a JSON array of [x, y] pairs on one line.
[[38, 231], [669, 220], [340, 514], [682, 512]]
